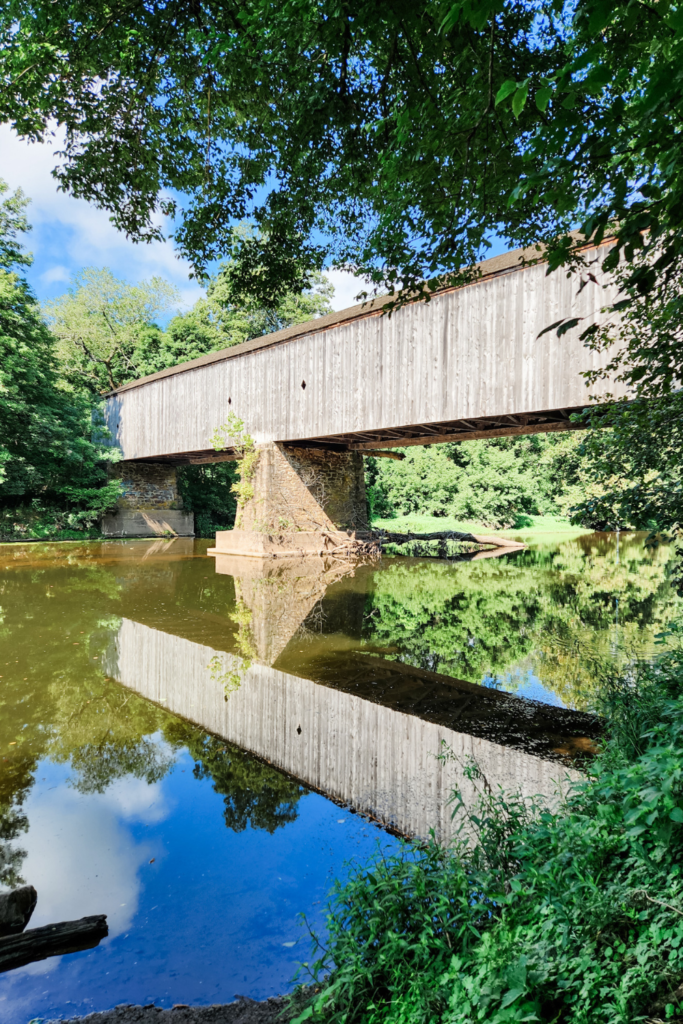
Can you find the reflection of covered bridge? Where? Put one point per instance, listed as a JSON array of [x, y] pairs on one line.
[[468, 364]]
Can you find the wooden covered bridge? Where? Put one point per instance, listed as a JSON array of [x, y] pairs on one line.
[[471, 363]]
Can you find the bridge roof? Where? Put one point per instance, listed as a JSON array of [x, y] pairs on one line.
[[509, 261]]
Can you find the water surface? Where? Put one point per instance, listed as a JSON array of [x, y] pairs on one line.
[[196, 747]]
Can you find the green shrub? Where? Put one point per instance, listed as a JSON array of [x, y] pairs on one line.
[[494, 482], [207, 491]]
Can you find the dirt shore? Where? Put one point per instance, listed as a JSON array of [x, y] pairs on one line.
[[243, 1011]]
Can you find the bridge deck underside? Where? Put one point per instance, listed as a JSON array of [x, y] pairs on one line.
[[471, 429]]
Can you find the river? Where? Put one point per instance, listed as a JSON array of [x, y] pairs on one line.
[[196, 747]]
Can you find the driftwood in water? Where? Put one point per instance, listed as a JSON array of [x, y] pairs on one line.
[[51, 940], [16, 908], [469, 538]]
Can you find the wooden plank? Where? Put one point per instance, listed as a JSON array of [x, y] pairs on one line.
[[51, 940]]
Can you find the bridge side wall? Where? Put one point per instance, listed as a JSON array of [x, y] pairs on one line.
[[472, 352]]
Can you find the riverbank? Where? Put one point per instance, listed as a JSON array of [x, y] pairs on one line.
[[243, 1011], [540, 916]]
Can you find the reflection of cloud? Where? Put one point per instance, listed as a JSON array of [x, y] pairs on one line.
[[81, 857], [135, 800]]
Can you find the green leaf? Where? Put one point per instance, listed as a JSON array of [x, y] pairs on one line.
[[677, 814], [543, 97], [510, 996], [506, 89], [308, 1012], [519, 99], [568, 324]]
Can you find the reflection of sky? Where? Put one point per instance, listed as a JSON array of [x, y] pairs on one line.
[[213, 915], [81, 848], [523, 683]]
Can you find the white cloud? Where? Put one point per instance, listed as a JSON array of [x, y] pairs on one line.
[[55, 274], [69, 234], [346, 287]]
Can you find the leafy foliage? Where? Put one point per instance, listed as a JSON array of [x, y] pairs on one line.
[[98, 322], [208, 492], [353, 115], [492, 482], [232, 434], [574, 915], [48, 459], [407, 133], [640, 460]]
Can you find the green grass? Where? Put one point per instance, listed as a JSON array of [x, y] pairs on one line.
[[527, 527]]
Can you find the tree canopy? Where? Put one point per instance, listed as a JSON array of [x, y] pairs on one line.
[[396, 138], [47, 453], [98, 324]]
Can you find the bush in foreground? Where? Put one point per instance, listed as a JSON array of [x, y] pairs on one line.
[[574, 916]]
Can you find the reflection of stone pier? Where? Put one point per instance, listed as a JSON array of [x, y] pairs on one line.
[[279, 595], [374, 758]]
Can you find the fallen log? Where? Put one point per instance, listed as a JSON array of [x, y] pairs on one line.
[[380, 454], [51, 940], [16, 908], [469, 538]]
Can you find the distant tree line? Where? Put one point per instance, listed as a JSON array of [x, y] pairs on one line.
[[57, 362]]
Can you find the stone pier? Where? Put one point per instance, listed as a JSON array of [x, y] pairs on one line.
[[306, 501], [150, 504]]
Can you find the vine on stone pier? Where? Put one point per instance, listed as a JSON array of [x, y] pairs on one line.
[[244, 447]]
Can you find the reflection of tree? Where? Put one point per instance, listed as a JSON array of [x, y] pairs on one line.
[[447, 618], [61, 615], [555, 611], [12, 824], [254, 793], [106, 733]]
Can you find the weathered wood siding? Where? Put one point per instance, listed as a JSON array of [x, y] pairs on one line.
[[359, 753], [470, 352]]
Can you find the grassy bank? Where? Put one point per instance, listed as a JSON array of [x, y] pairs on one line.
[[574, 916], [527, 527]]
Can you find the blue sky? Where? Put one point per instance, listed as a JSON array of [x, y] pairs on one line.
[[70, 234]]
